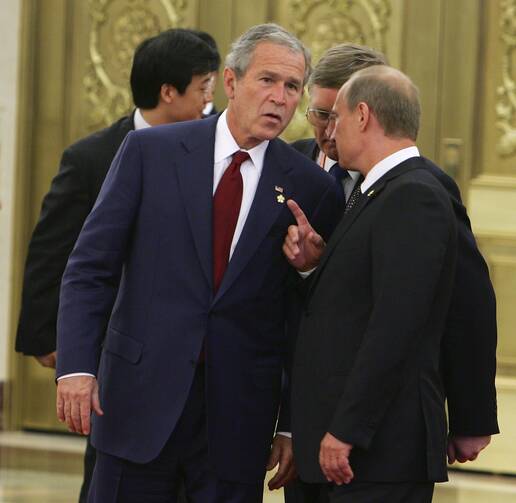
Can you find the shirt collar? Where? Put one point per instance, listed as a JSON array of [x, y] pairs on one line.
[[139, 121], [226, 146], [385, 165], [329, 163]]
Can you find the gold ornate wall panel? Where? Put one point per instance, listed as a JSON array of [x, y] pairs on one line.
[[322, 24], [111, 30], [498, 84], [506, 91], [500, 253]]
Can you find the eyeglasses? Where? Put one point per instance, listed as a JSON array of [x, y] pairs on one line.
[[319, 117]]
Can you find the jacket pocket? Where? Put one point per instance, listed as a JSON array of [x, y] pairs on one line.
[[124, 346]]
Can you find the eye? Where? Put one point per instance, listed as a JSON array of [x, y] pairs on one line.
[[292, 86], [266, 80], [321, 114]]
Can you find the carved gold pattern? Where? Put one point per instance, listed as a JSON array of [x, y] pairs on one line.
[[117, 27], [506, 102], [322, 24]]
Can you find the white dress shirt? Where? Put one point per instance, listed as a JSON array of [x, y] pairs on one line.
[[139, 121], [385, 165], [348, 184], [251, 170]]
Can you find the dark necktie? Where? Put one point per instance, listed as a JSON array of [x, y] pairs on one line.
[[226, 208], [340, 175], [355, 195]]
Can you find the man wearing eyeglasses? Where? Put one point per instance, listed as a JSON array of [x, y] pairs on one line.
[[470, 338], [335, 67]]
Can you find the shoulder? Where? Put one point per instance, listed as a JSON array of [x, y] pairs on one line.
[[300, 164], [100, 144], [192, 134], [306, 146], [419, 187]]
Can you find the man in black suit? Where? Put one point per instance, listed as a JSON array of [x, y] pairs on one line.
[[470, 336], [368, 416], [170, 78]]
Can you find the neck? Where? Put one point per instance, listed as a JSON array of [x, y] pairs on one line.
[[379, 150], [243, 141], [154, 116]]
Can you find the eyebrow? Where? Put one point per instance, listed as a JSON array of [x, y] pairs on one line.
[[269, 73]]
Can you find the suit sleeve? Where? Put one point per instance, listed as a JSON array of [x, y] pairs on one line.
[[91, 277], [469, 342], [63, 212], [413, 242]]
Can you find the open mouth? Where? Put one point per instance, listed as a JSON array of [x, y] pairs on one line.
[[273, 117]]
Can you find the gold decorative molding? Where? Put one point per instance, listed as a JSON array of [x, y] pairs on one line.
[[494, 181], [117, 27], [322, 24], [506, 92]]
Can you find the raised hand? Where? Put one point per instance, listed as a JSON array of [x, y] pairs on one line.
[[303, 247]]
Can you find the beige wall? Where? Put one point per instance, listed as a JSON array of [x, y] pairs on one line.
[[9, 28]]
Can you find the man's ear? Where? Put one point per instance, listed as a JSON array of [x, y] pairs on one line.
[[168, 93], [363, 115], [230, 81]]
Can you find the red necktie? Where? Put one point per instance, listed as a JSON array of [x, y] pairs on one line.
[[226, 208]]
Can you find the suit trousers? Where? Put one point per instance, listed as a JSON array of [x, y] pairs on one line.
[[301, 492], [183, 460], [359, 492]]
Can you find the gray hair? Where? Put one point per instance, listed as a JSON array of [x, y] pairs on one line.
[[243, 47], [390, 95], [339, 63]]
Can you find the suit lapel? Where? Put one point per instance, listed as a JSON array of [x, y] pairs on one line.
[[339, 232], [264, 211], [195, 174], [349, 218]]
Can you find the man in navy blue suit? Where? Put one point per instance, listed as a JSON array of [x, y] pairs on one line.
[[190, 222]]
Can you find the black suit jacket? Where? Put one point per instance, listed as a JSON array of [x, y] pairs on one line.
[[71, 197], [366, 366], [469, 343]]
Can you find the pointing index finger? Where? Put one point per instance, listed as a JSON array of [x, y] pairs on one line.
[[298, 213]]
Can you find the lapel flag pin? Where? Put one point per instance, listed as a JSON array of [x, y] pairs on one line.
[[280, 198], [278, 189]]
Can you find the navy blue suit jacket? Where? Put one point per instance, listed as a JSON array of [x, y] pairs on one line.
[[152, 225]]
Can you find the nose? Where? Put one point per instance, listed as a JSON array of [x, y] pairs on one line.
[[330, 130], [278, 93]]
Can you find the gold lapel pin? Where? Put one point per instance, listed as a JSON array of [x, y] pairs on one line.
[[370, 193], [280, 198], [278, 189]]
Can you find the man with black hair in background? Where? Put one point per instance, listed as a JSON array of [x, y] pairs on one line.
[[170, 79]]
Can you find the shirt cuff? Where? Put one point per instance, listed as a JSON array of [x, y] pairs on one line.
[[284, 433], [74, 375], [305, 274]]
